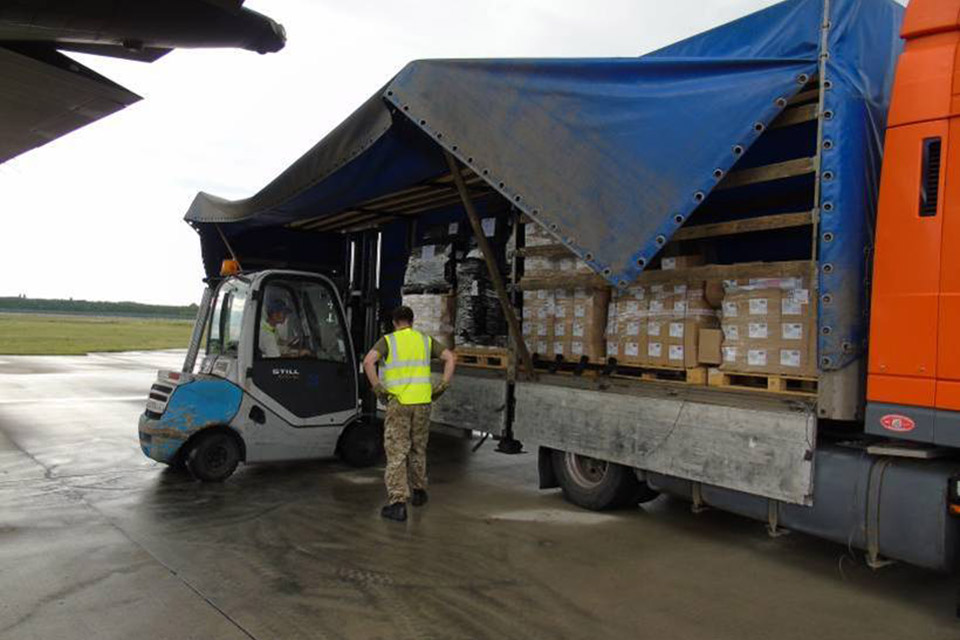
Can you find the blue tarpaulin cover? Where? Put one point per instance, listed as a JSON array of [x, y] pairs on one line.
[[613, 155]]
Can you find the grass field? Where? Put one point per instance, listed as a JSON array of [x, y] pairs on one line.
[[29, 334]]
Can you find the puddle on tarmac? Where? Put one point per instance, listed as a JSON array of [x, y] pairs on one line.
[[557, 516]]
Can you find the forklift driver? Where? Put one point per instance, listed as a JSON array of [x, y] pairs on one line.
[[277, 338]]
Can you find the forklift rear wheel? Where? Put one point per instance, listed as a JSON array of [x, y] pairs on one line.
[[597, 484], [361, 444], [214, 457]]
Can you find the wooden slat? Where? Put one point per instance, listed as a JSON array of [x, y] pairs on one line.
[[767, 173], [546, 251], [656, 276], [746, 225], [796, 115], [805, 96]]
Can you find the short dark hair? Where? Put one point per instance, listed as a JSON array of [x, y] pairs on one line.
[[402, 314]]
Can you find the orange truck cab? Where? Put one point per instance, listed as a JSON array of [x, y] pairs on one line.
[[913, 388]]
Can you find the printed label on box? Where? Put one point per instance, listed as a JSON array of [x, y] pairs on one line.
[[475, 288], [757, 330], [558, 348], [801, 295], [631, 349], [542, 294], [668, 263], [576, 348], [676, 352], [656, 288], [612, 349], [729, 354], [452, 228], [579, 311], [633, 306], [789, 357], [676, 329], [730, 309], [656, 306], [790, 307], [541, 328], [428, 252], [541, 346], [527, 312], [653, 328], [680, 307], [757, 357], [559, 329], [758, 306], [680, 288], [637, 292], [560, 294], [731, 332], [542, 313], [560, 311], [611, 325], [654, 349], [633, 328], [527, 328], [792, 331], [580, 293], [578, 328], [489, 226]]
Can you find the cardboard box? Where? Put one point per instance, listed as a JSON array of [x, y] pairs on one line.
[[434, 315], [681, 262], [708, 350]]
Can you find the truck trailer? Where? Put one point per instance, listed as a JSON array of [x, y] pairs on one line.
[[807, 142]]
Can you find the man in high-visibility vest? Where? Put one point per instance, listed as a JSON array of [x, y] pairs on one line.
[[405, 387]]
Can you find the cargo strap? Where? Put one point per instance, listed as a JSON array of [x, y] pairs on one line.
[[773, 519], [874, 561]]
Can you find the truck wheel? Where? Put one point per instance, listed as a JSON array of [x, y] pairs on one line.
[[214, 457], [596, 484], [361, 444]]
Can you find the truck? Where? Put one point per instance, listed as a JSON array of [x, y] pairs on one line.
[[806, 141]]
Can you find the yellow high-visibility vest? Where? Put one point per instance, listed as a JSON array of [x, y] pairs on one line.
[[406, 370]]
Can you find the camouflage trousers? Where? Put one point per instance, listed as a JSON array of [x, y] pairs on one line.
[[405, 435]]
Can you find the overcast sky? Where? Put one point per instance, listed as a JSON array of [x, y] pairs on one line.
[[98, 213]]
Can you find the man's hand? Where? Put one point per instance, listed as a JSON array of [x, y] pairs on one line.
[[439, 390], [382, 394]]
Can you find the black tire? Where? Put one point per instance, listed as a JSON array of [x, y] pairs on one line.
[[596, 484], [214, 456], [361, 444]]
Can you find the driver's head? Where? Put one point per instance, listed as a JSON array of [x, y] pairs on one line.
[[402, 317], [276, 311]]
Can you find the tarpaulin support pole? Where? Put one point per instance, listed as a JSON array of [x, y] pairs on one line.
[[495, 276]]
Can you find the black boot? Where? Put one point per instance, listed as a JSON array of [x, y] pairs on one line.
[[419, 497], [396, 511]]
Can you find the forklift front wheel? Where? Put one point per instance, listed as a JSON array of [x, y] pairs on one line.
[[214, 457], [361, 444]]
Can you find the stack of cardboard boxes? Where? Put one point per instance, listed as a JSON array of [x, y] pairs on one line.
[[659, 325], [767, 327], [565, 322]]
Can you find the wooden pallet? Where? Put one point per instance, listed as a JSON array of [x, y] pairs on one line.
[[775, 383], [481, 357], [692, 375]]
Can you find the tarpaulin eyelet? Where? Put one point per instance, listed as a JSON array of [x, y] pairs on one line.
[[825, 362], [486, 172], [470, 160], [828, 144], [828, 268], [516, 198], [554, 226], [828, 175], [847, 347], [828, 206], [661, 240], [826, 330], [828, 84], [828, 115], [828, 237], [607, 272], [454, 147], [622, 284], [803, 78], [827, 298], [389, 93], [535, 212], [718, 173], [588, 256], [759, 127], [406, 107], [439, 135], [781, 102], [678, 219], [423, 122], [699, 196], [641, 262], [737, 150], [500, 184]]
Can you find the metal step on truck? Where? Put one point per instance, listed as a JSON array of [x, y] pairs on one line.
[[723, 271]]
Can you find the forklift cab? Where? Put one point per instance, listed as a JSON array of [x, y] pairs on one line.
[[278, 381]]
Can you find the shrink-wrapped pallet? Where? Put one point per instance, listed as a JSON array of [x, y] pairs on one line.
[[429, 269], [768, 327], [433, 314]]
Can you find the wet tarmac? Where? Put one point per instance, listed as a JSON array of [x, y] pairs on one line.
[[97, 541]]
